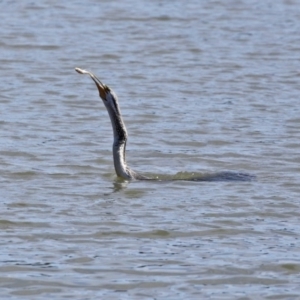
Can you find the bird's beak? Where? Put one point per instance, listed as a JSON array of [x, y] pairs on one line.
[[101, 87]]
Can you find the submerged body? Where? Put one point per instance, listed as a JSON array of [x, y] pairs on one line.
[[110, 101]]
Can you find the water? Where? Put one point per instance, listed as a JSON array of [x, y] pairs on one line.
[[203, 87]]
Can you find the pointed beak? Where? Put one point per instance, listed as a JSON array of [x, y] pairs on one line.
[[101, 87]]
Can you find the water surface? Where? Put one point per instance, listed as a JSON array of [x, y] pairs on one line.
[[203, 87]]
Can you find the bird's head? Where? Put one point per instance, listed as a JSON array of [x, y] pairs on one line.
[[107, 95]]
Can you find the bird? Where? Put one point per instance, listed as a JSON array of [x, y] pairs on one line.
[[120, 134], [111, 103]]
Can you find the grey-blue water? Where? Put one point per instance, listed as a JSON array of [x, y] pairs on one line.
[[204, 86]]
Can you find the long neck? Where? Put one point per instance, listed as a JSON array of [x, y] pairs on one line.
[[121, 167], [119, 144]]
